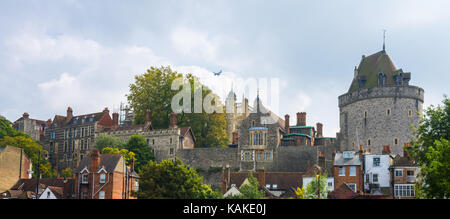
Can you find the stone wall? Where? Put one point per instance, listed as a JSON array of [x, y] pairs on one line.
[[379, 126]]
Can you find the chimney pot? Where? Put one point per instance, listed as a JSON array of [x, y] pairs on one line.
[[319, 129], [26, 115]]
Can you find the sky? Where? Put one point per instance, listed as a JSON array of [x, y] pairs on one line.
[[85, 54]]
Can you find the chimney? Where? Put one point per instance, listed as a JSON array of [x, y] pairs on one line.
[[319, 129], [115, 119], [26, 115], [301, 119], [361, 151], [173, 120], [132, 164], [95, 160], [286, 123], [370, 151], [386, 149], [321, 160], [246, 107], [235, 138], [69, 114], [261, 176], [106, 110]]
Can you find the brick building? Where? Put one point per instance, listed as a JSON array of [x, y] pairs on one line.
[[404, 175], [14, 165], [69, 138], [33, 127], [348, 170], [105, 176]]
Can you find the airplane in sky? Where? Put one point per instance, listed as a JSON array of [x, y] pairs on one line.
[[217, 73]]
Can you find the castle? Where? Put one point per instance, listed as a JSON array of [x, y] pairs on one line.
[[379, 107]]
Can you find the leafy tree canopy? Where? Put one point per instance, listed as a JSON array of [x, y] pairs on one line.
[[250, 190], [312, 188], [431, 150], [127, 155], [104, 140], [153, 90], [172, 180], [137, 144]]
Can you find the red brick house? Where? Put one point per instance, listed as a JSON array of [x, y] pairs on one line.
[[105, 176], [348, 170], [404, 175]]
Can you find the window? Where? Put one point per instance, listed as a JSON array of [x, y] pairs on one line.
[[410, 113], [268, 155], [148, 141], [398, 173], [136, 186], [376, 161], [274, 186], [367, 177], [341, 171], [330, 184], [170, 140], [153, 141], [366, 114], [406, 190], [102, 178], [410, 173], [375, 178], [352, 186], [352, 171], [368, 142], [260, 155], [171, 151], [101, 195], [388, 112], [268, 186], [84, 178], [395, 141]]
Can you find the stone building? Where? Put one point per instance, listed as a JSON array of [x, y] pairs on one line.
[[69, 138], [14, 165], [105, 176], [235, 113], [164, 142], [33, 127], [379, 107]]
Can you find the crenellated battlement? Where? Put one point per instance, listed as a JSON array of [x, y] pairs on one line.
[[412, 92], [141, 131]]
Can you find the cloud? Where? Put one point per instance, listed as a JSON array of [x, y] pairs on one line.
[[194, 43]]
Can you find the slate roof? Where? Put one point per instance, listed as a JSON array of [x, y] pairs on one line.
[[369, 68], [108, 161], [403, 161], [339, 160], [29, 185], [284, 180]]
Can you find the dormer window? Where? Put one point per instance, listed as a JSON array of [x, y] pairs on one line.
[[381, 79], [102, 178], [84, 179]]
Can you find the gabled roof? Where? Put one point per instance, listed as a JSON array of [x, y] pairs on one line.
[[108, 161], [29, 185]]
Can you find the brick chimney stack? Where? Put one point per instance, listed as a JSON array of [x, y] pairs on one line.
[[386, 149], [26, 115], [286, 123], [148, 117], [321, 160], [361, 151], [235, 138], [173, 121], [319, 129], [95, 160], [301, 119], [69, 114], [115, 119], [246, 107]]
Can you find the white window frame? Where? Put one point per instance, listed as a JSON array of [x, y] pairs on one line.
[[373, 178], [102, 178], [352, 173], [352, 185], [398, 170], [84, 178], [343, 172], [404, 190], [101, 195]]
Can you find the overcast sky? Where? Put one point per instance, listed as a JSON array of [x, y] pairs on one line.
[[84, 54]]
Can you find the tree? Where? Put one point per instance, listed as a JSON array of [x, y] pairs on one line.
[[104, 140], [431, 152], [172, 180], [7, 130], [67, 173], [312, 188], [152, 90], [249, 190], [137, 144], [127, 155], [31, 149]]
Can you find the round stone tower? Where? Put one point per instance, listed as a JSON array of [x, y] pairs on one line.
[[380, 107]]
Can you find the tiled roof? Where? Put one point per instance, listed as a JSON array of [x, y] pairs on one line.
[[403, 161], [108, 161], [30, 185], [283, 180], [339, 160]]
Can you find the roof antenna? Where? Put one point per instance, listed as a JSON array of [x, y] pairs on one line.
[[384, 40]]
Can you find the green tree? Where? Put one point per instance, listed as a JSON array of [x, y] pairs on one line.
[[172, 180], [312, 188], [431, 152], [249, 190], [137, 144], [152, 90], [7, 130], [127, 155], [67, 173], [104, 140], [31, 149]]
